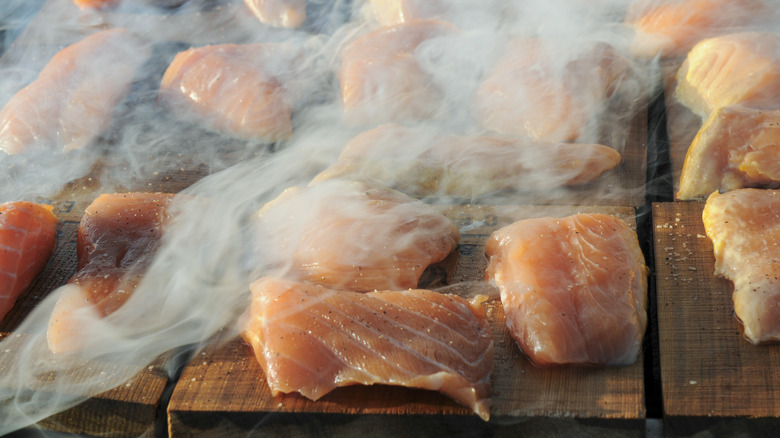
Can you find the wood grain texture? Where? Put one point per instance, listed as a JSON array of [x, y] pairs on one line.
[[225, 385], [711, 376]]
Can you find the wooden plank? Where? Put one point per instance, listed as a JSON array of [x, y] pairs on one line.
[[223, 389], [682, 124], [710, 375]]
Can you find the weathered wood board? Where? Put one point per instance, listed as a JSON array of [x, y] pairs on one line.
[[222, 391], [712, 378]]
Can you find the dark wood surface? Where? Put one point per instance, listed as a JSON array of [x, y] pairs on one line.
[[225, 386], [710, 374]]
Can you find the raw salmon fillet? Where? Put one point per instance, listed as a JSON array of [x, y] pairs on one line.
[[574, 289], [235, 89], [736, 68], [28, 236], [673, 27], [744, 226], [354, 236], [381, 79], [311, 339], [117, 240], [421, 162], [279, 13], [736, 147], [73, 99], [528, 93]]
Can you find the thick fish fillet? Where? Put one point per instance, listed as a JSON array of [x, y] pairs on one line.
[[736, 68], [311, 340], [381, 79], [673, 27], [28, 236], [531, 94], [354, 236], [235, 89], [420, 162], [744, 226], [574, 289], [390, 12], [736, 147], [73, 99], [117, 240], [279, 13]]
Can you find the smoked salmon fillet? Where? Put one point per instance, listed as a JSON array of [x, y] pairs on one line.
[[28, 236], [311, 340], [353, 236], [234, 89], [279, 13], [528, 93], [574, 289], [422, 163], [736, 147], [672, 27], [381, 79], [744, 226], [117, 240], [74, 97], [741, 68]]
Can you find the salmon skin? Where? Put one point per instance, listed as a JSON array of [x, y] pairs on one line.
[[28, 237], [744, 227], [574, 289], [736, 147], [423, 163], [310, 339], [279, 13], [740, 68], [381, 79], [117, 240], [234, 89], [527, 93], [353, 236], [74, 98], [672, 27]]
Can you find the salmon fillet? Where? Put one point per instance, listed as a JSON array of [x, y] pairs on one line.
[[741, 68], [353, 236], [421, 163], [574, 289], [279, 13], [117, 240], [311, 340], [74, 97], [28, 236], [672, 27], [234, 89], [381, 79], [736, 147], [531, 94], [390, 12], [744, 226]]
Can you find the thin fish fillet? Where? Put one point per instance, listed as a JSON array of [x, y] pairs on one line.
[[741, 68], [736, 147], [73, 99], [421, 162], [28, 236], [744, 226], [381, 79], [353, 236], [311, 339], [672, 27], [235, 89], [117, 240], [279, 13], [574, 289], [528, 93]]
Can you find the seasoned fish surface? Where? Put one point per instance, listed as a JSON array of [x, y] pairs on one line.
[[311, 340]]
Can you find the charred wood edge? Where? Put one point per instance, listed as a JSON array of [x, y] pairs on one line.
[[658, 189]]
